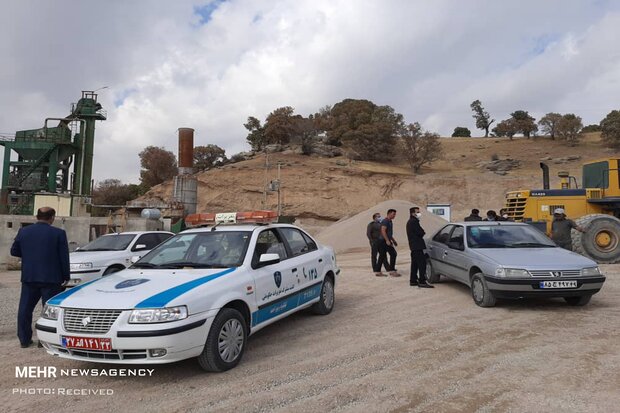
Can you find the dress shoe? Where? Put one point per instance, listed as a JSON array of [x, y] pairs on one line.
[[394, 274], [413, 284], [425, 285], [26, 345], [380, 274]]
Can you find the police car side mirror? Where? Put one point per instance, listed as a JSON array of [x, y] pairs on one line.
[[268, 259], [135, 259]]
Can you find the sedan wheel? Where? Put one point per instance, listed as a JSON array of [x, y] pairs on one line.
[[431, 276], [230, 340], [578, 301], [225, 342], [480, 292], [325, 304]]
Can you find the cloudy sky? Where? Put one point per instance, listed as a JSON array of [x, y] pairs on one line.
[[211, 64]]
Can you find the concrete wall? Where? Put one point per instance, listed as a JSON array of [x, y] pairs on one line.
[[79, 231]]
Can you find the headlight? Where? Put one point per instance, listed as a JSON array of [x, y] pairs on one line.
[[590, 271], [158, 315], [511, 273], [81, 265], [50, 312]]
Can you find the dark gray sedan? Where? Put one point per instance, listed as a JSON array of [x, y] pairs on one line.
[[510, 260]]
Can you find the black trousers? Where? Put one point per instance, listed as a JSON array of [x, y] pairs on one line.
[[374, 256], [30, 296], [384, 250], [418, 267]]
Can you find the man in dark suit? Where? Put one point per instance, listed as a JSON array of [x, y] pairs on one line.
[[45, 267], [415, 235], [373, 233]]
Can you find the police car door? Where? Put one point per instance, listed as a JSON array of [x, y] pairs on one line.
[[275, 283], [306, 263]]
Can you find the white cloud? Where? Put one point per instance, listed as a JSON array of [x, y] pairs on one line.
[[427, 60]]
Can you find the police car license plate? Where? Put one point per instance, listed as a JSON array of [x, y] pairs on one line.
[[87, 343], [558, 284]]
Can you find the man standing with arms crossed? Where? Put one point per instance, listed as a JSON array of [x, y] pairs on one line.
[[45, 267], [415, 235], [387, 244]]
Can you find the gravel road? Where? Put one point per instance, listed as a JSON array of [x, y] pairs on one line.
[[386, 347]]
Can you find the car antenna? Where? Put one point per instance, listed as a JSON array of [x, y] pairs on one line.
[[215, 226]]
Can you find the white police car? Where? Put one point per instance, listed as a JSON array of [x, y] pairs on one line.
[[111, 253], [199, 294]]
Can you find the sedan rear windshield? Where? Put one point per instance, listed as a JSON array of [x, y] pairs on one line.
[[507, 236], [112, 242]]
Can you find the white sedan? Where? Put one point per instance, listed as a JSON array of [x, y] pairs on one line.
[[199, 294], [111, 253]]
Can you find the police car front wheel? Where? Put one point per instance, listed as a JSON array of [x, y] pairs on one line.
[[225, 342]]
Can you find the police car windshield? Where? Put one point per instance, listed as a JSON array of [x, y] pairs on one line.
[[212, 249], [507, 236], [112, 242]]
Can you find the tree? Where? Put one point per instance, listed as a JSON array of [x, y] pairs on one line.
[[505, 128], [610, 127], [158, 165], [591, 128], [568, 128], [208, 156], [461, 132], [524, 123], [256, 137], [306, 131], [279, 126], [113, 192], [483, 119], [548, 123], [370, 130], [419, 147]]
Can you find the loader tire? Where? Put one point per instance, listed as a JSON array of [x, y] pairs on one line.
[[601, 241]]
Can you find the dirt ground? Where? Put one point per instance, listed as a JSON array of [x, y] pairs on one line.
[[385, 347]]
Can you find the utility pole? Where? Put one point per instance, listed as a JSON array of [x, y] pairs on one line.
[[265, 184], [279, 199]]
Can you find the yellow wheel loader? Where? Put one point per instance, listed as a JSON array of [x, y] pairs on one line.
[[595, 206]]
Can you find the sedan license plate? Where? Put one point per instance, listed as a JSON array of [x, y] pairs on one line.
[[558, 284], [87, 343]]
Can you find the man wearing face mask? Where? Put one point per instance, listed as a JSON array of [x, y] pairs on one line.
[[415, 235], [503, 215], [373, 233]]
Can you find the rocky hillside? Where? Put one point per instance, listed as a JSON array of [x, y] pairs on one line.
[[474, 173]]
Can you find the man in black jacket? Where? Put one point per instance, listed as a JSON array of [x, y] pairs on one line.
[[474, 216], [415, 234], [45, 267], [373, 233]]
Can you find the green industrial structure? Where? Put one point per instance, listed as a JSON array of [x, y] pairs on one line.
[[51, 160]]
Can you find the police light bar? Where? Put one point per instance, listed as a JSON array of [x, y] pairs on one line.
[[252, 217]]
